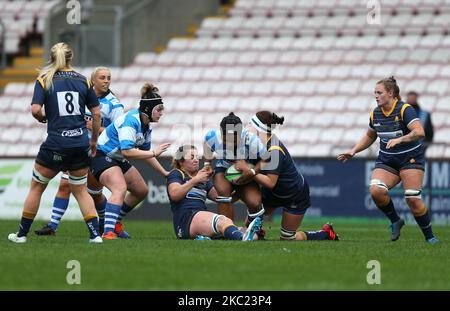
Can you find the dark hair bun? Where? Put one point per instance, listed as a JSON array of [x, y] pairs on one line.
[[277, 120]]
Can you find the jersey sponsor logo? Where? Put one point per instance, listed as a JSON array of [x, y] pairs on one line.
[[57, 157], [72, 133], [386, 136], [108, 159]]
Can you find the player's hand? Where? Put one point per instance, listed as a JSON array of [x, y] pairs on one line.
[[241, 165], [393, 142], [161, 149], [89, 125], [202, 176], [345, 156], [93, 148], [208, 168]]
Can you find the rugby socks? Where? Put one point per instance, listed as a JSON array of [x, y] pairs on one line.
[[100, 207], [92, 224], [124, 211], [25, 223], [59, 208], [232, 233], [316, 235], [424, 222], [112, 212], [390, 212]]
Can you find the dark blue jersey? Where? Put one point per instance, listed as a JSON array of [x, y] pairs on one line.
[[290, 181], [65, 105], [393, 124], [195, 198]]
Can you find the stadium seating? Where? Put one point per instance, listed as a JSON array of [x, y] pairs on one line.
[[21, 17], [315, 62]]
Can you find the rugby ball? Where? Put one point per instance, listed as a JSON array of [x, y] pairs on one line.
[[232, 174]]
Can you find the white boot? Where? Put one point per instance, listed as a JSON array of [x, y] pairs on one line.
[[97, 239], [16, 239]]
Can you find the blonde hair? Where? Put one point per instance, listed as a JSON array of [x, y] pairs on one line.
[[60, 57], [97, 69], [147, 89], [390, 84], [180, 154]]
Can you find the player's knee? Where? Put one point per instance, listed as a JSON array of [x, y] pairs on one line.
[[219, 223], [289, 235], [63, 190], [413, 198], [378, 189], [254, 204], [119, 190], [141, 192]]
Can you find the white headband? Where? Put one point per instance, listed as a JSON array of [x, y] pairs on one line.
[[145, 99], [259, 126]]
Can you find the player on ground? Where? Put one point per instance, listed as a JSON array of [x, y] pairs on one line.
[[401, 157], [65, 94], [231, 145], [111, 109], [188, 187], [129, 137], [282, 184]]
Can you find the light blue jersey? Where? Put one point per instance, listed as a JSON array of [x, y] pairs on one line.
[[250, 148], [110, 107], [125, 133]]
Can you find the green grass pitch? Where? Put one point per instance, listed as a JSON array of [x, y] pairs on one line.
[[154, 260]]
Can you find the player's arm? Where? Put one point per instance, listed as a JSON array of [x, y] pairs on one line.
[[267, 181], [208, 154], [154, 163], [366, 141], [96, 122], [178, 191], [132, 153], [36, 111], [413, 123], [38, 101], [416, 134]]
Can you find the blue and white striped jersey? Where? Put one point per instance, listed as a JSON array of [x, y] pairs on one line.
[[127, 132], [110, 107], [250, 148]]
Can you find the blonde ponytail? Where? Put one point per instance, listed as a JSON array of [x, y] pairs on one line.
[[60, 58]]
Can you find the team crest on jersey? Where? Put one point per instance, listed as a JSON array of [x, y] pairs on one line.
[[412, 161]]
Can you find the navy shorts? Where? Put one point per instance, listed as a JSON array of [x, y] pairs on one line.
[[182, 223], [101, 162], [394, 163], [66, 159], [296, 205]]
